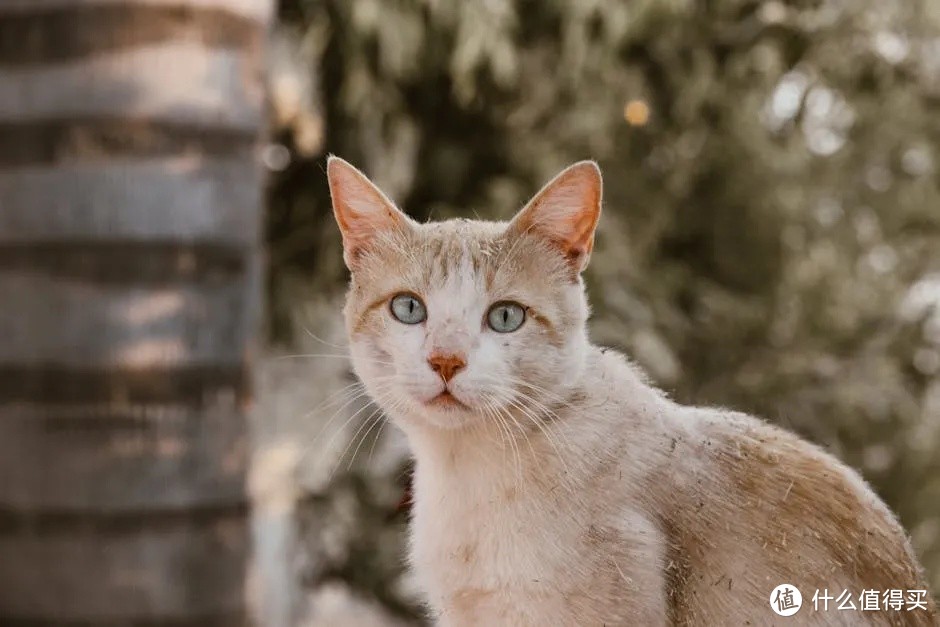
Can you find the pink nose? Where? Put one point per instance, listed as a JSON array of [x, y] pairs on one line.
[[446, 365]]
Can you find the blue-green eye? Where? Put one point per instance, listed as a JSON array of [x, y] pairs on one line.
[[408, 308], [506, 317]]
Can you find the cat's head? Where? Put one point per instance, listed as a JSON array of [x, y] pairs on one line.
[[460, 321]]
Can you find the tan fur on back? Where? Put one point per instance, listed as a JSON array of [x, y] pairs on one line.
[[567, 491]]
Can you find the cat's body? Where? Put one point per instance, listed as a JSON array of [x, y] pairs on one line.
[[664, 515], [553, 484]]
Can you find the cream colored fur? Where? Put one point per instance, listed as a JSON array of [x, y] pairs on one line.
[[566, 490]]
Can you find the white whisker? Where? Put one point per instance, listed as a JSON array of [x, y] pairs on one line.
[[321, 340], [379, 416]]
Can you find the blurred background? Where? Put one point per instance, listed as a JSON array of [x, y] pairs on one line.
[[771, 235], [770, 242]]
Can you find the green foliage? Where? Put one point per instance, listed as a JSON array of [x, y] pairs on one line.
[[771, 231]]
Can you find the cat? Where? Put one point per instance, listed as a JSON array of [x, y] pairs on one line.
[[554, 485]]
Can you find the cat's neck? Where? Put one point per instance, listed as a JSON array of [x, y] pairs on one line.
[[489, 442]]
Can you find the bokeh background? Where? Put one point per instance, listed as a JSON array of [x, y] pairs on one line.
[[771, 235], [770, 242]]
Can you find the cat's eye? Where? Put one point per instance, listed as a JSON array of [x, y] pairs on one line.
[[505, 317], [408, 308]]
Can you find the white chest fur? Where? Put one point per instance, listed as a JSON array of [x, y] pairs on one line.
[[487, 545]]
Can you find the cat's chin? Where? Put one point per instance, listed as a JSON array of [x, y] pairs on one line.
[[447, 401], [444, 412]]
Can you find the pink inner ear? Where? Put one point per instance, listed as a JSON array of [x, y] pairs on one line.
[[566, 211], [362, 211]]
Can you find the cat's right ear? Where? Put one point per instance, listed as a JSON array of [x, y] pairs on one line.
[[362, 211]]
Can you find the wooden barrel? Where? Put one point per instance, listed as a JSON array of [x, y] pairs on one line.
[[130, 202]]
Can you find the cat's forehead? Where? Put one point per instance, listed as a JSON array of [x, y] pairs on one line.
[[472, 233], [455, 255], [460, 241], [459, 253]]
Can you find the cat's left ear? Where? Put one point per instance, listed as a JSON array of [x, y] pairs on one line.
[[364, 214], [566, 212]]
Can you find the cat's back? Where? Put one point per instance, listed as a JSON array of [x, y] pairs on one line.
[[745, 506], [755, 506]]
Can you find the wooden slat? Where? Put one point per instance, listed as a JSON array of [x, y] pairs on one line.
[[105, 523], [51, 321], [236, 618], [255, 9], [53, 34], [193, 385], [186, 83], [152, 264], [120, 460], [173, 574], [183, 198], [65, 142]]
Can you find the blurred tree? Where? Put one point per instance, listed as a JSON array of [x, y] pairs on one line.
[[129, 269], [771, 238]]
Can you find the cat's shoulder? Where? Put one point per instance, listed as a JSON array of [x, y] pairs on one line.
[[610, 366]]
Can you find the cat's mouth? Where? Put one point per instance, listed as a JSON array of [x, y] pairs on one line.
[[447, 400]]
